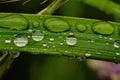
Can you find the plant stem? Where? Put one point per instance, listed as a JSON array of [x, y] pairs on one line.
[[6, 60], [52, 7]]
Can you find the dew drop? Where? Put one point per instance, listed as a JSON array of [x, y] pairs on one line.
[[51, 39], [30, 30], [14, 20], [98, 53], [105, 37], [21, 41], [35, 24], [117, 44], [81, 27], [7, 41], [45, 45], [117, 54], [83, 58], [103, 28], [61, 43], [87, 54], [56, 25], [100, 36], [71, 40], [37, 35], [110, 38], [53, 46]]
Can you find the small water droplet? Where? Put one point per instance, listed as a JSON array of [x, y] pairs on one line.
[[37, 35], [98, 53], [104, 28], [53, 46], [56, 25], [81, 58], [11, 48], [66, 51], [110, 38], [45, 45], [105, 37], [61, 43], [71, 40], [51, 39], [117, 44], [117, 54], [35, 24], [87, 54], [100, 36], [91, 41], [21, 41], [81, 27], [30, 30], [7, 41]]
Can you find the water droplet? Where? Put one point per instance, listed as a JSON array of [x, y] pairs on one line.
[[45, 45], [100, 36], [107, 43], [30, 30], [66, 51], [7, 41], [87, 54], [105, 37], [81, 58], [35, 24], [61, 43], [53, 46], [71, 40], [117, 54], [110, 38], [81, 27], [91, 41], [37, 35], [51, 39], [98, 53], [117, 44], [21, 41], [104, 28], [56, 25], [14, 20]]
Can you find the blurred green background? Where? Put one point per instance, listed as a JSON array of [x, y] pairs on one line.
[[47, 67]]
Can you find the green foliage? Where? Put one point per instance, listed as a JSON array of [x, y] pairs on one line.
[[60, 35]]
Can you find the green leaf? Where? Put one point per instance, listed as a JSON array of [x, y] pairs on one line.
[[60, 35]]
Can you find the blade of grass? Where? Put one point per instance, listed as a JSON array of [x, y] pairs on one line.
[[89, 44]]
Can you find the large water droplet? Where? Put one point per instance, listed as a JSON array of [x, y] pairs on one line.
[[71, 40], [56, 25], [17, 22], [87, 54], [21, 41], [37, 35], [117, 44], [81, 27], [104, 28]]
